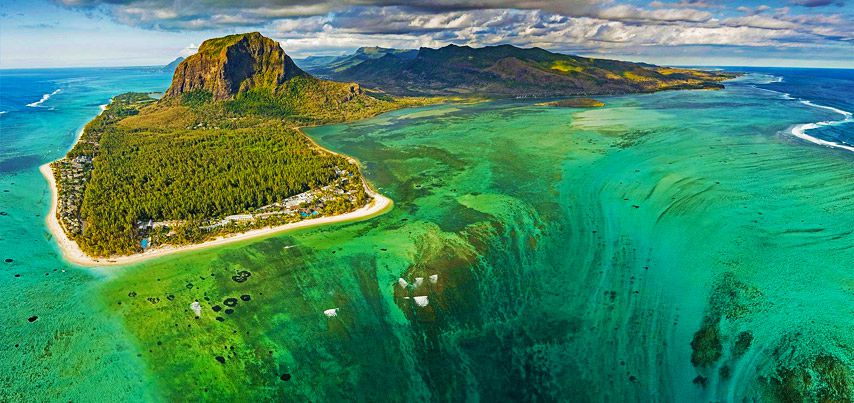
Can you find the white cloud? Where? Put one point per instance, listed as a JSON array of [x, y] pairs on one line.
[[631, 13], [334, 26], [760, 21], [189, 50]]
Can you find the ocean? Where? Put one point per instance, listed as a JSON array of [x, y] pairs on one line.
[[74, 349], [676, 246], [828, 89]]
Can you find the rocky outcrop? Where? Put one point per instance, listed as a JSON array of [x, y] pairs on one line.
[[230, 65]]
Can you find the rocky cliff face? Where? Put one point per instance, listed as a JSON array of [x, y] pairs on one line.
[[234, 64]]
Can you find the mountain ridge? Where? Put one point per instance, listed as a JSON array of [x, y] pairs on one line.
[[326, 66], [510, 71], [170, 68]]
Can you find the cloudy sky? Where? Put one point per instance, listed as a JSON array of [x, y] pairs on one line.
[[45, 33]]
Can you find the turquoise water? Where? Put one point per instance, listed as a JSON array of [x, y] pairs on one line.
[[74, 350], [577, 252]]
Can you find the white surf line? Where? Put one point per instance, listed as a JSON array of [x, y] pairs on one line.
[[45, 97], [800, 130], [765, 79], [830, 108]]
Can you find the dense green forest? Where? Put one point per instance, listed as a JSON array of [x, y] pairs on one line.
[[74, 172], [194, 174], [509, 71], [120, 107]]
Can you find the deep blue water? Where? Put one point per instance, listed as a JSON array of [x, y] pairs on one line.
[[827, 87]]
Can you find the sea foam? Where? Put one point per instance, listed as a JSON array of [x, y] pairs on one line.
[[800, 130], [758, 78], [45, 97]]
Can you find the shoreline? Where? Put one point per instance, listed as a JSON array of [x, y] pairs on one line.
[[72, 253]]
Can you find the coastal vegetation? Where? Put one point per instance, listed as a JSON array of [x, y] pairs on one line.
[[219, 153]]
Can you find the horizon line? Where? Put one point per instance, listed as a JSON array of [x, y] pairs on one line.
[[660, 65]]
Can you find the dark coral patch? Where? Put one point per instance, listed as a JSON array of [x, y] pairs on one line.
[[241, 276], [742, 344], [706, 345]]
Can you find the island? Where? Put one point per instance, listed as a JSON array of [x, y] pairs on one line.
[[219, 154]]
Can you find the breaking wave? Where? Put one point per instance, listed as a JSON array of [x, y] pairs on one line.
[[800, 130], [45, 97]]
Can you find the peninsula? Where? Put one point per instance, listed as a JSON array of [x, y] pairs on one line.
[[219, 154]]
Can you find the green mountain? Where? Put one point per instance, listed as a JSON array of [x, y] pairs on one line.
[[328, 66], [509, 71], [312, 63]]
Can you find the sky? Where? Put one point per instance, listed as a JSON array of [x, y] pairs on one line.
[[797, 33]]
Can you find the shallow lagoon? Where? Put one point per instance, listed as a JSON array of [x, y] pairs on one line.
[[577, 254]]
